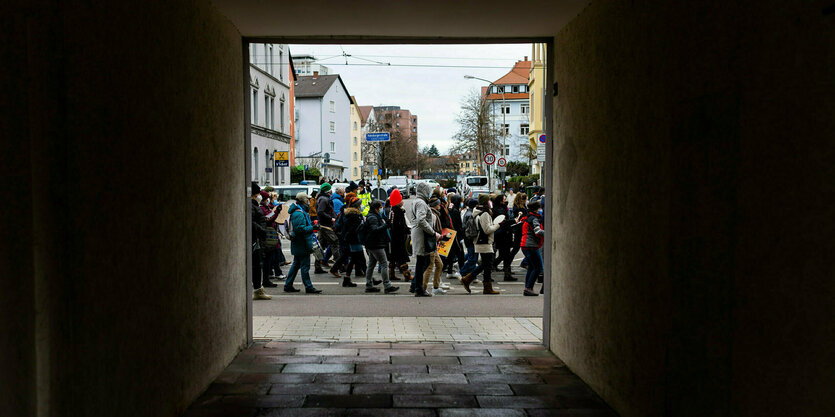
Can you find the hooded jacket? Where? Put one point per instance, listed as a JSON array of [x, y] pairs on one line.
[[488, 227], [338, 201], [378, 236], [324, 210], [353, 220], [421, 219], [259, 223], [532, 233], [302, 241]]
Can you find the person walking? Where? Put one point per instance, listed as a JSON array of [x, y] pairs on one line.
[[353, 220], [344, 251], [311, 206], [327, 237], [399, 233], [301, 245], [423, 236], [456, 253], [518, 212], [259, 235], [471, 258], [338, 199], [532, 237], [503, 236], [483, 244], [364, 194], [435, 262], [376, 239]]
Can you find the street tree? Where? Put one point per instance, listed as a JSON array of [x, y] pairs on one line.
[[398, 154], [477, 133]]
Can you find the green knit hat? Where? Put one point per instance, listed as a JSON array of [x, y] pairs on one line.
[[325, 188]]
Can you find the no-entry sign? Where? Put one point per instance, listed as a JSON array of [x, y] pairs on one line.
[[489, 159]]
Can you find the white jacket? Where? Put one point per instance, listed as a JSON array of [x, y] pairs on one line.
[[487, 225]]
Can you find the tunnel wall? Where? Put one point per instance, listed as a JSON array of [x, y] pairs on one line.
[[693, 204], [128, 206]]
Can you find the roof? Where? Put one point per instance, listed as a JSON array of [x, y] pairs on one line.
[[518, 74], [307, 86], [365, 111]]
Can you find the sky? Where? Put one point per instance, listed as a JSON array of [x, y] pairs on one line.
[[427, 80]]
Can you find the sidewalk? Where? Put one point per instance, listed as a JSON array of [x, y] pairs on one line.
[[398, 329]]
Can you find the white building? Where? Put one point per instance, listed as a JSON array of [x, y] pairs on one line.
[[269, 100], [510, 105], [323, 118], [307, 65]]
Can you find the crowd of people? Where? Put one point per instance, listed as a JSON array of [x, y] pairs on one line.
[[349, 233]]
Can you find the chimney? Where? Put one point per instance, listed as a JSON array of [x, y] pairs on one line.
[[316, 73], [526, 57]]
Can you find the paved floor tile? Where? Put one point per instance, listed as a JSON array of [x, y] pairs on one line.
[[410, 389], [349, 401], [481, 412], [390, 369], [435, 401], [425, 360], [428, 378], [517, 401], [463, 369], [318, 368], [473, 389], [310, 389], [357, 378]]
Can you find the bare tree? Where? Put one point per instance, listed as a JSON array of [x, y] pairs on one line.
[[477, 133], [398, 154]]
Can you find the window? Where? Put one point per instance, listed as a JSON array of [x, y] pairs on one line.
[[281, 115], [332, 106], [515, 89], [355, 172], [355, 125], [254, 105], [266, 111], [333, 127], [272, 113], [255, 165], [398, 115], [252, 51], [505, 129], [526, 108], [355, 156], [333, 146], [524, 129], [281, 77], [505, 108], [270, 59], [506, 150], [414, 129], [355, 141], [398, 124]]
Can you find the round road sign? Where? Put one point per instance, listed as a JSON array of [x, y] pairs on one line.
[[502, 162], [541, 138], [489, 159]]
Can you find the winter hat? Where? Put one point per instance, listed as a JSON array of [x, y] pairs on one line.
[[351, 187], [434, 202], [355, 202], [325, 187], [302, 196], [255, 189], [471, 203], [377, 204], [264, 195], [395, 198]]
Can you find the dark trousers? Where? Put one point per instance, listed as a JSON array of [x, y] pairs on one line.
[[421, 262], [516, 245], [535, 266], [356, 261], [257, 268], [485, 266], [273, 260], [455, 255], [344, 254]]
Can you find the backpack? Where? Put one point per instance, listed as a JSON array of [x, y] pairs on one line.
[[470, 228], [362, 232], [483, 238], [272, 238]]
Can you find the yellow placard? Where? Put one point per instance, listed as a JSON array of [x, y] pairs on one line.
[[281, 156]]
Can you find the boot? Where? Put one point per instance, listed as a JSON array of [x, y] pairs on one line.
[[508, 276], [260, 294], [488, 288], [466, 281], [392, 277], [407, 276], [346, 282], [318, 268]]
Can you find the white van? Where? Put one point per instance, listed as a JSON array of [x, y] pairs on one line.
[[288, 192], [477, 184]]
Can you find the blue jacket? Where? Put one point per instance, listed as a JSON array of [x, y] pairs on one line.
[[337, 201], [302, 243]]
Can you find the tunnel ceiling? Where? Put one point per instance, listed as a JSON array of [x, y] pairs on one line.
[[402, 18]]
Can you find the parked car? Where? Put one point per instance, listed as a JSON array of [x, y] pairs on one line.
[[288, 192], [401, 182]]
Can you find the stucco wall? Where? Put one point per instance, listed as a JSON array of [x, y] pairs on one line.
[[693, 183], [135, 238]]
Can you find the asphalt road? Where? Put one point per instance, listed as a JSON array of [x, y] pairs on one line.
[[340, 301]]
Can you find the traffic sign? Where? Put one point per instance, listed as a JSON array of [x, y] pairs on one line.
[[489, 159], [501, 169], [542, 138], [377, 137], [540, 153], [282, 159], [502, 162]]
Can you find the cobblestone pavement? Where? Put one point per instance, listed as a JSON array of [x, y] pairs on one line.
[[397, 379], [401, 329]]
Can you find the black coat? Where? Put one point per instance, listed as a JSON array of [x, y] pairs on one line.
[[259, 222], [353, 220], [377, 236]]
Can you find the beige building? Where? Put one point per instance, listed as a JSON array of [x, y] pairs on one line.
[[356, 141], [536, 86]]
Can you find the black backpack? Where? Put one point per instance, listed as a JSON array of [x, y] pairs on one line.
[[483, 238]]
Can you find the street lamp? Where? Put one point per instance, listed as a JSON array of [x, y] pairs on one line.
[[504, 133]]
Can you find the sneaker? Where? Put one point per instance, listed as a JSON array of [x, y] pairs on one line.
[[454, 275], [530, 293], [411, 290], [377, 282], [260, 294], [320, 271], [269, 284], [444, 285], [438, 291], [312, 290], [372, 289], [422, 293], [391, 289], [291, 289]]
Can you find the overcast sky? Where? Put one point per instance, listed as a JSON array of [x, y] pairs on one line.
[[428, 80]]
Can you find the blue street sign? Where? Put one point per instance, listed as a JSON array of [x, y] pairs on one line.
[[281, 164], [377, 137], [305, 167]]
